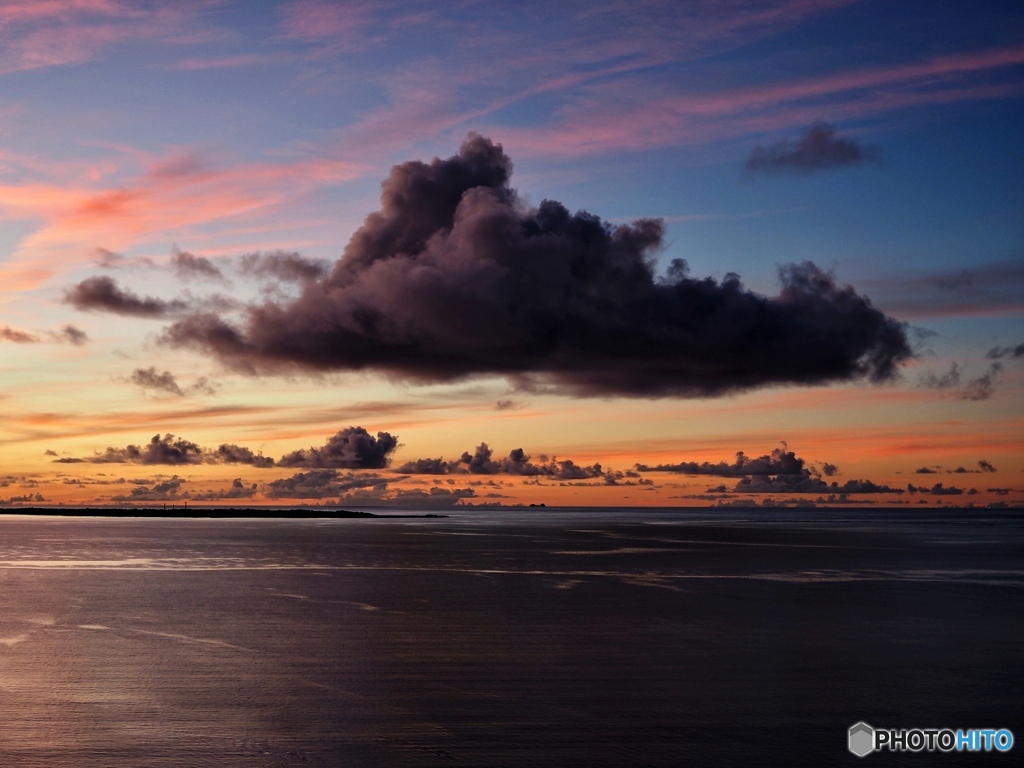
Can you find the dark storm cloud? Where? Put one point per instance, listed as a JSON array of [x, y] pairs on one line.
[[102, 293], [456, 276], [819, 149], [482, 462], [320, 484], [997, 353], [780, 462], [286, 266], [189, 266], [150, 378], [350, 448]]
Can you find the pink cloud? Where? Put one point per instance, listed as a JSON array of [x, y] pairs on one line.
[[318, 21], [59, 32], [175, 195]]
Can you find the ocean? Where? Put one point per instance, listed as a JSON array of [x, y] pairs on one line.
[[541, 637]]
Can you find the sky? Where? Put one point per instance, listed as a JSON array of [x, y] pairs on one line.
[[420, 254]]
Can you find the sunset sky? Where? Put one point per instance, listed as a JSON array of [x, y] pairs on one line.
[[680, 253]]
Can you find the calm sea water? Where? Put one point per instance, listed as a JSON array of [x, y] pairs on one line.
[[554, 637]]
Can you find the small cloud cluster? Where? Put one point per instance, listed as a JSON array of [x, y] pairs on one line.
[[350, 448], [979, 388], [983, 467], [188, 266], [819, 149], [998, 353], [68, 334], [151, 379], [781, 471], [940, 489], [321, 484], [482, 462], [168, 490]]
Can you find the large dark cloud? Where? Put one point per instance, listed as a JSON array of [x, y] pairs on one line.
[[103, 293], [350, 448], [456, 276], [819, 149], [482, 462]]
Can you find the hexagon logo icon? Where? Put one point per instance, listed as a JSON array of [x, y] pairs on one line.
[[861, 739]]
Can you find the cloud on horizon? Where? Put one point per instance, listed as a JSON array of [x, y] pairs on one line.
[[456, 277], [481, 462]]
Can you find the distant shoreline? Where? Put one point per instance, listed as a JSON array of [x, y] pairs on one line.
[[204, 512]]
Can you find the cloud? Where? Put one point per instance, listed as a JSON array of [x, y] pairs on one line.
[[165, 449], [819, 149], [455, 276], [780, 462], [72, 335], [285, 266], [481, 462], [68, 334], [149, 378], [169, 490], [320, 484], [938, 490], [102, 293], [18, 337], [237, 490], [949, 379], [808, 484], [229, 453], [982, 387], [985, 466], [997, 353], [979, 388], [350, 448], [189, 266], [778, 472]]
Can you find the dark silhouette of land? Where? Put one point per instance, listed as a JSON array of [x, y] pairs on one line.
[[201, 512]]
